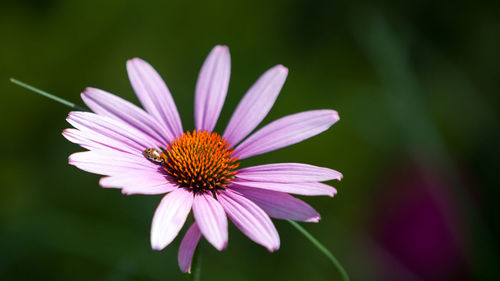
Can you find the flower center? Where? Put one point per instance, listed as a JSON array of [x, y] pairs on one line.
[[200, 161]]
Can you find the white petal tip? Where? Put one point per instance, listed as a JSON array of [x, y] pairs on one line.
[[134, 63], [87, 91], [273, 248], [78, 114], [282, 68], [313, 219], [134, 60], [71, 159], [334, 192], [156, 246], [65, 132], [335, 116], [221, 247], [124, 192], [330, 192], [221, 48]]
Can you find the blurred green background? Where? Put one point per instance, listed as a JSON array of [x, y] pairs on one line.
[[416, 85]]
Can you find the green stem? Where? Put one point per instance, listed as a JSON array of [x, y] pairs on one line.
[[196, 266], [47, 95], [322, 249]]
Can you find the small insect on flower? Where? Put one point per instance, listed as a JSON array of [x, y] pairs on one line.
[[153, 155]]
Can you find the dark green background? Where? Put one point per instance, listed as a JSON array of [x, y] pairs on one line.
[[416, 86]]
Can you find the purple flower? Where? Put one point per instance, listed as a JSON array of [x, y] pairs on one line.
[[148, 152]]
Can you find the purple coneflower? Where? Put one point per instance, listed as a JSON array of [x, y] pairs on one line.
[[148, 152]]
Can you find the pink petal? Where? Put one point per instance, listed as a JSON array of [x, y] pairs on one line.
[[255, 104], [106, 104], [279, 205], [90, 141], [286, 131], [187, 247], [211, 219], [250, 219], [103, 129], [154, 94], [149, 183], [109, 162], [169, 217], [134, 174], [303, 188], [288, 172], [211, 88]]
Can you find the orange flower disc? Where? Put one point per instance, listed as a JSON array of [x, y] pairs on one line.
[[201, 161]]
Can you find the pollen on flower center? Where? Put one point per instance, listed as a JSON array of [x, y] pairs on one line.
[[200, 161]]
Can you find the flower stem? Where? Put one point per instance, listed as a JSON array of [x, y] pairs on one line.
[[47, 95], [322, 249], [196, 266]]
